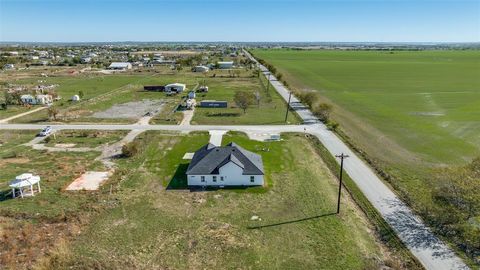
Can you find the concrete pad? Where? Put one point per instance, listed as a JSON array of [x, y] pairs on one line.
[[188, 156], [89, 181], [65, 145], [216, 137]]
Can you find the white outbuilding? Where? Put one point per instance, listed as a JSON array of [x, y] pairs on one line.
[[175, 87], [120, 66], [24, 185], [225, 64], [201, 69], [75, 98]]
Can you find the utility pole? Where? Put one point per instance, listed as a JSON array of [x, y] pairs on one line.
[[288, 105], [342, 157], [268, 81]]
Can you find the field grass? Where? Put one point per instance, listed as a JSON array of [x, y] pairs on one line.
[[30, 227], [406, 112], [271, 109], [427, 102], [12, 110], [154, 227], [10, 139], [85, 138], [103, 91]]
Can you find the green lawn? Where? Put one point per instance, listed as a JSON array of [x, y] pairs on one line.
[[410, 112], [154, 227], [271, 109]]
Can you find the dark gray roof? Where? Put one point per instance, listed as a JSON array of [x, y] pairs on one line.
[[209, 158]]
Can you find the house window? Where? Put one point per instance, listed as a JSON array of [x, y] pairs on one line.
[[252, 178], [202, 178], [221, 178], [214, 178]]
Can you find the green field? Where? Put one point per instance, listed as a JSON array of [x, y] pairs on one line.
[[425, 102], [144, 217], [409, 112]]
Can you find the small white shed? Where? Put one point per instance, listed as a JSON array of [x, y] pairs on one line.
[[75, 98], [175, 87]]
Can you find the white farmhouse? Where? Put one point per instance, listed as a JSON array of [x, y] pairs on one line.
[[229, 165], [120, 66]]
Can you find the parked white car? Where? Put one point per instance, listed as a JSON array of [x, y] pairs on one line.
[[45, 132]]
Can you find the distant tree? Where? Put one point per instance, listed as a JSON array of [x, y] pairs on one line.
[[53, 112], [243, 99], [81, 94]]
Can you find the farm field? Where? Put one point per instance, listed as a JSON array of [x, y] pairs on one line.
[[425, 102], [410, 112], [157, 223]]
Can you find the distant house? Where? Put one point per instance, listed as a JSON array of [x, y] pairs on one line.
[[225, 64], [28, 99], [85, 60], [44, 99], [191, 94], [120, 66], [75, 98], [175, 87], [201, 69], [8, 66], [37, 100], [229, 165], [213, 104]]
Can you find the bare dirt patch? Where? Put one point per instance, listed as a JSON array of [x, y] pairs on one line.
[[131, 110], [19, 160], [89, 181]]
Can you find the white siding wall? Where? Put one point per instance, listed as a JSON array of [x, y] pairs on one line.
[[232, 176]]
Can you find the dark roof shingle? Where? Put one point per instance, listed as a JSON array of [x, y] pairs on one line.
[[209, 158]]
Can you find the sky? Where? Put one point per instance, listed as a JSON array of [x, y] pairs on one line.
[[240, 20]]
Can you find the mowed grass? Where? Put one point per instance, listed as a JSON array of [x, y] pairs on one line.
[[270, 110], [427, 102], [153, 227]]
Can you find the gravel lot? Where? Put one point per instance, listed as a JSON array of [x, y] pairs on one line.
[[134, 109]]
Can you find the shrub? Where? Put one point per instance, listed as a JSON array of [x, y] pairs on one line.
[[332, 125], [130, 149], [322, 111]]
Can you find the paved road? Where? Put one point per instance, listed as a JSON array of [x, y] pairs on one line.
[[428, 249]]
